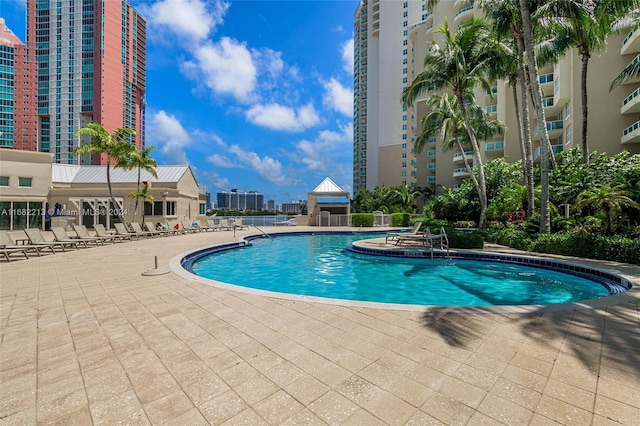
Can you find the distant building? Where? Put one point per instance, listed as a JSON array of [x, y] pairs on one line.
[[293, 207], [234, 200], [271, 205], [206, 196]]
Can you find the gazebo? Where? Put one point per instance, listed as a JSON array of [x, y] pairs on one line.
[[328, 200]]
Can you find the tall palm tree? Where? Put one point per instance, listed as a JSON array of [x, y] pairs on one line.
[[115, 146], [140, 159], [586, 27], [462, 63], [404, 196], [527, 29], [506, 21], [609, 199]]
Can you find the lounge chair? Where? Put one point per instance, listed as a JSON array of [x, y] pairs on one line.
[[61, 236], [162, 232], [238, 223], [205, 226], [83, 233], [288, 222], [226, 225], [214, 224], [394, 235], [137, 229], [7, 242], [7, 252], [36, 238], [102, 232], [121, 230], [188, 227], [427, 239]]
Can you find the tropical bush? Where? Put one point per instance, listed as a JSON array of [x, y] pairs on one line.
[[362, 219], [400, 219]]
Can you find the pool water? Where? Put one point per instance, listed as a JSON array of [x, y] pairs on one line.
[[318, 265]]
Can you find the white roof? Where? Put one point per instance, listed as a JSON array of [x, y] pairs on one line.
[[65, 173], [328, 185]]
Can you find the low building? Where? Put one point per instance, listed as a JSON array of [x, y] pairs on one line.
[[59, 194]]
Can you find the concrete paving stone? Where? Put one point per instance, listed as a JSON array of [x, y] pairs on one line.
[[284, 373], [570, 394], [616, 411], [124, 408], [362, 417], [248, 417], [563, 412], [521, 395], [388, 407], [255, 389], [168, 407], [447, 410], [420, 418], [205, 388], [333, 408], [278, 407], [303, 417]]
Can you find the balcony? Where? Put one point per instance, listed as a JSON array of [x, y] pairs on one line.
[[547, 102], [546, 78], [631, 134], [460, 173], [554, 129], [457, 157], [556, 149], [631, 104], [631, 43], [633, 79], [494, 149]]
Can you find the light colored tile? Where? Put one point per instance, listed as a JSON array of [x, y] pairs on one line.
[[278, 407], [306, 389], [362, 417], [223, 407], [333, 408], [616, 411], [168, 407], [563, 412], [504, 411]]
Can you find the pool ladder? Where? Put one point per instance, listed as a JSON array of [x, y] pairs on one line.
[[263, 233], [443, 241]]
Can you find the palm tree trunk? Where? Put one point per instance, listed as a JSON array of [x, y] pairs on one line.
[[482, 185], [113, 199], [525, 130], [585, 112], [135, 208], [469, 168], [545, 220]]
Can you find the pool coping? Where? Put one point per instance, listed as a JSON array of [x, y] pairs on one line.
[[378, 246]]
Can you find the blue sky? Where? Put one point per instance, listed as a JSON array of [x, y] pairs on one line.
[[254, 95]]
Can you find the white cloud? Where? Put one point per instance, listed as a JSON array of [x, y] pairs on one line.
[[216, 180], [338, 97], [347, 56], [193, 19], [327, 152], [221, 161], [225, 67], [167, 132], [280, 117], [266, 167]]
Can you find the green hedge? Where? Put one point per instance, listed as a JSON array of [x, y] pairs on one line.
[[362, 219], [590, 246], [400, 219], [457, 239]]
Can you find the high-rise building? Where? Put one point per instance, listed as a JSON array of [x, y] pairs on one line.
[[381, 70], [234, 200], [614, 117], [17, 93], [91, 67]]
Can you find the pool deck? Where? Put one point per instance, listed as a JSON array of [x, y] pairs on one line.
[[87, 339]]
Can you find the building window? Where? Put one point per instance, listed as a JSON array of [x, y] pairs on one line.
[[202, 208], [25, 181], [567, 133], [4, 180], [568, 108]]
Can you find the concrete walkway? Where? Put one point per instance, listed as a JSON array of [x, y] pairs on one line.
[[87, 339]]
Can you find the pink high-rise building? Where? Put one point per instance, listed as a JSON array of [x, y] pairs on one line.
[[91, 67], [17, 93]]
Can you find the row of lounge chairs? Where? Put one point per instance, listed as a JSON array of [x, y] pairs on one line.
[[36, 243]]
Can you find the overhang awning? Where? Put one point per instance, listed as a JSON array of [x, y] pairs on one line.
[[332, 200]]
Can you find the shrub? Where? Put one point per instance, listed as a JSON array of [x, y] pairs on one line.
[[464, 240], [362, 219], [400, 219], [509, 237], [590, 246]]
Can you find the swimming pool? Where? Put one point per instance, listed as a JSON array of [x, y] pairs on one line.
[[319, 265]]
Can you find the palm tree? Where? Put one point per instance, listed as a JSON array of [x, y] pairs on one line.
[[609, 199], [404, 195], [140, 159], [585, 26], [116, 146], [527, 29], [463, 62], [506, 20], [144, 194]]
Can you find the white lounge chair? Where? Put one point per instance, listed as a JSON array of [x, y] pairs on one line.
[[36, 238], [122, 231], [8, 243], [394, 235], [102, 232], [61, 236], [288, 222], [83, 233]]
